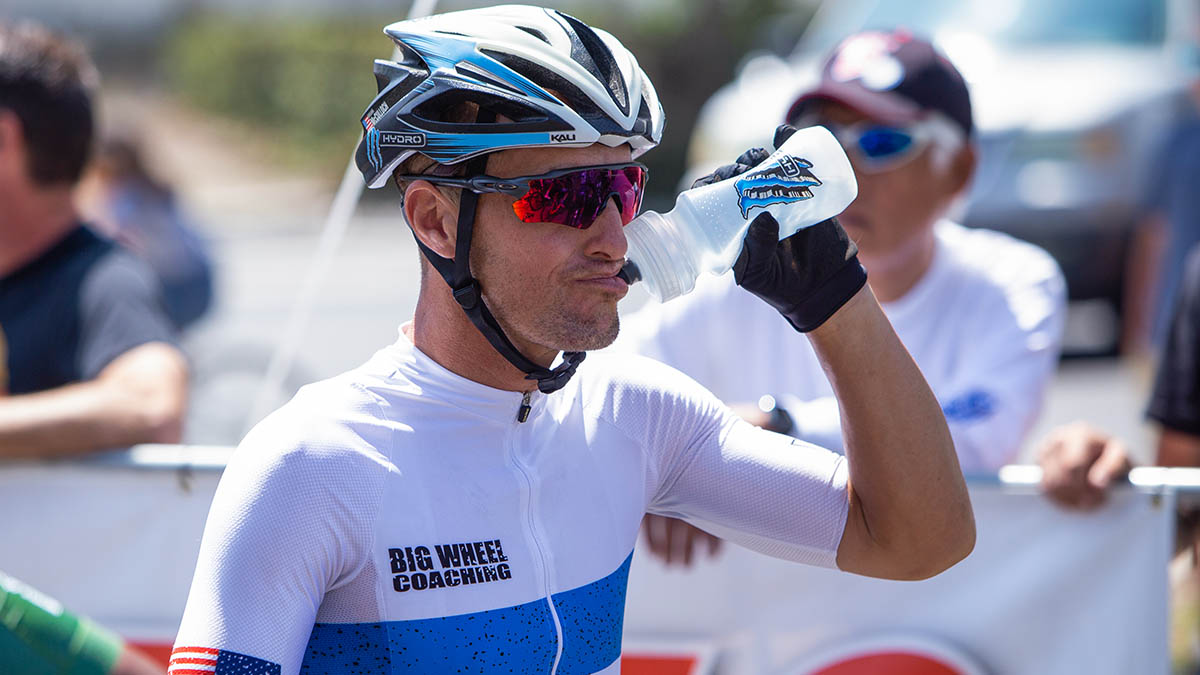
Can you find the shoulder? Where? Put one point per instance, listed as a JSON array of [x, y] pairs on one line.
[[116, 278], [993, 266], [996, 257], [330, 436], [114, 268], [629, 388]]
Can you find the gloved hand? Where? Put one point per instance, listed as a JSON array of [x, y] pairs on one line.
[[807, 276], [748, 160]]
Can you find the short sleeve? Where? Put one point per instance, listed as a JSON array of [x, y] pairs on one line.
[[762, 490], [291, 521], [120, 308], [1175, 401], [768, 492]]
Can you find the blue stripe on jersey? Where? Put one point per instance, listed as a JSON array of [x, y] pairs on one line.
[[592, 617], [518, 639]]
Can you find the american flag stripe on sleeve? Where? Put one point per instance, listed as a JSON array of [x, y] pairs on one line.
[[209, 661]]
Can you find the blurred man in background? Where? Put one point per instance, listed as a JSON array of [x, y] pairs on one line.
[[86, 353], [89, 356], [981, 313]]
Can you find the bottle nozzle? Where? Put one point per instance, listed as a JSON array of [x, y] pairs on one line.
[[630, 273]]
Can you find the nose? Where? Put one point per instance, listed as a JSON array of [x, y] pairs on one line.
[[607, 238]]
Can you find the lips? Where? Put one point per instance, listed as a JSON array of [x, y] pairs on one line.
[[607, 280]]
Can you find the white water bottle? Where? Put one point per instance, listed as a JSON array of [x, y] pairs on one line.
[[804, 182]]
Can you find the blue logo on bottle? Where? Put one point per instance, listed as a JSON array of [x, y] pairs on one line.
[[785, 180]]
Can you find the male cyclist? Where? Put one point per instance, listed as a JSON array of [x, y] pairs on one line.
[[468, 500]]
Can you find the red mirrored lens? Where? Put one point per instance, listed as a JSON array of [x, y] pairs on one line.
[[576, 199]]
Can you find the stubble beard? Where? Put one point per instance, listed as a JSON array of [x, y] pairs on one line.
[[553, 321]]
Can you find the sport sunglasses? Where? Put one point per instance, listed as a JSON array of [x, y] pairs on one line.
[[880, 147], [574, 197]]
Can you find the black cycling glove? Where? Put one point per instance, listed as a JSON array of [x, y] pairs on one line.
[[807, 276], [748, 160]]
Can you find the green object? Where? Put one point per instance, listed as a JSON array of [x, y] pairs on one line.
[[38, 636]]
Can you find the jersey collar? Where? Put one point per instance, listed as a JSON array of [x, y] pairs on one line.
[[437, 382]]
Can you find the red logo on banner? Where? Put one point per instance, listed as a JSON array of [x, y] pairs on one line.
[[892, 654]]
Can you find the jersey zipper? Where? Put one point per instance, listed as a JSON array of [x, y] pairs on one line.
[[535, 530], [523, 411]]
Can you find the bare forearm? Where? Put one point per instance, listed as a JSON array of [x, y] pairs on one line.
[[1141, 282], [139, 398], [906, 488], [74, 420], [1176, 448]]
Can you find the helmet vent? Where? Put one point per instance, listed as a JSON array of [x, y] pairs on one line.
[[469, 70], [589, 51], [535, 33], [434, 110], [551, 81]]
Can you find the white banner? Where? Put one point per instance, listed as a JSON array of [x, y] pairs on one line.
[[1046, 591]]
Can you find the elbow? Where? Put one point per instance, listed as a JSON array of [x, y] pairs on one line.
[[160, 421], [914, 552], [953, 552], [152, 415], [944, 547]]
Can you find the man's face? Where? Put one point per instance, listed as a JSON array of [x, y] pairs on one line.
[[550, 286], [896, 207]]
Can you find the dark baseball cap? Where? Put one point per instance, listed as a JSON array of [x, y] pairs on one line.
[[893, 77]]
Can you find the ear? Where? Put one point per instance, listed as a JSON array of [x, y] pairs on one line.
[[432, 216], [962, 167]]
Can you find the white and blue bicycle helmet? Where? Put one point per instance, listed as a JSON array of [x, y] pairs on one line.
[[559, 81]]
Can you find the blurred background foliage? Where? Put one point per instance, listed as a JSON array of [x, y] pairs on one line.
[[302, 80]]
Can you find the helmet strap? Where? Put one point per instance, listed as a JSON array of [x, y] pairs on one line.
[[469, 295]]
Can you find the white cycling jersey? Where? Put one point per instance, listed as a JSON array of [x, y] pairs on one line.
[[399, 518]]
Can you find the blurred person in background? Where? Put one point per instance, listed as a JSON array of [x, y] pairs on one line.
[[1081, 462], [1170, 224], [981, 312], [122, 199], [90, 358]]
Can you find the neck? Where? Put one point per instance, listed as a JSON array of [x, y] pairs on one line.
[[443, 332], [894, 274], [31, 222]]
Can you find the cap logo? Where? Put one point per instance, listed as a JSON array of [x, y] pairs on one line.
[[868, 58]]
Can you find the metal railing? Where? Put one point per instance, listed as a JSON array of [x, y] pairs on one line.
[[1184, 482]]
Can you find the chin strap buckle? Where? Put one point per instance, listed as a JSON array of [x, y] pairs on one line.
[[468, 296], [550, 381]]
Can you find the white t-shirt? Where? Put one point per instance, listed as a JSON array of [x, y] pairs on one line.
[[984, 324], [398, 518]]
